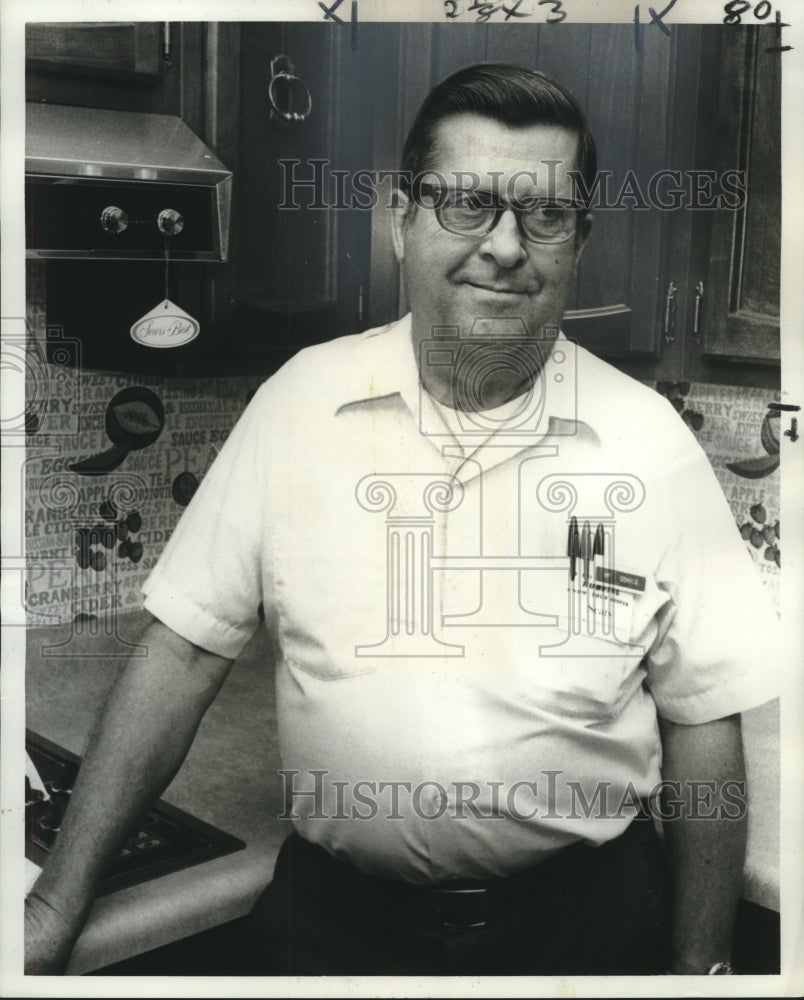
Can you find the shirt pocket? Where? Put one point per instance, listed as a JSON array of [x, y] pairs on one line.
[[589, 664]]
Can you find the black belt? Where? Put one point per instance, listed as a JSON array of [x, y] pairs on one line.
[[473, 903]]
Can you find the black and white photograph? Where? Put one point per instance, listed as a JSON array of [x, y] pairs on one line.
[[402, 498]]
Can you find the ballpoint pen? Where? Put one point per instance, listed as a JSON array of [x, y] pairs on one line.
[[598, 552], [598, 549], [575, 599], [571, 546], [586, 550], [586, 555]]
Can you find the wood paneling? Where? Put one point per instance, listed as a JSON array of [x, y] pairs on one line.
[[408, 49], [106, 65], [456, 46], [122, 49], [624, 92], [610, 101], [302, 273], [743, 313], [285, 260]]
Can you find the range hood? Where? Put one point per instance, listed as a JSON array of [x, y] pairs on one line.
[[122, 185]]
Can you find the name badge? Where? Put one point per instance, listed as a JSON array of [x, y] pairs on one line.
[[610, 576], [599, 611]]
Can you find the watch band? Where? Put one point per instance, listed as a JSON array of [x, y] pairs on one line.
[[716, 969]]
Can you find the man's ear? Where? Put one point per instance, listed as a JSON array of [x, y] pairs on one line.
[[399, 215], [584, 229]]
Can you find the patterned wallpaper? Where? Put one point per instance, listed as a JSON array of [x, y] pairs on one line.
[[113, 459], [740, 436]]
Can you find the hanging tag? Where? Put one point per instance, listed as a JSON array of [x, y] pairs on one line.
[[166, 325]]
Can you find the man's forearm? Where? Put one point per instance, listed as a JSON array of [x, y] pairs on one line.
[[147, 728], [706, 839]]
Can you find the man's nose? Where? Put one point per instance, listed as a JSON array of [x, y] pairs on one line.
[[505, 242]]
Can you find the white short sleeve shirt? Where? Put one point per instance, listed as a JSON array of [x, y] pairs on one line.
[[462, 688]]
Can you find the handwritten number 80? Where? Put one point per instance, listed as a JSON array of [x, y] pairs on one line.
[[737, 8]]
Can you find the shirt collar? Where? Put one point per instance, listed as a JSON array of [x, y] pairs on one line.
[[389, 368]]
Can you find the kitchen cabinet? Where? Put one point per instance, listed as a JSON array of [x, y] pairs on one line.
[[704, 98], [745, 248], [130, 66], [117, 50], [652, 101], [300, 254], [623, 89], [156, 68], [168, 68], [733, 259], [293, 276]]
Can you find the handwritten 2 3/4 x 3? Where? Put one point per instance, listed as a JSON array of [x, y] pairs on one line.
[[557, 13], [485, 11]]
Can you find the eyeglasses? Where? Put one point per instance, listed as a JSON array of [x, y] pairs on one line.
[[476, 213]]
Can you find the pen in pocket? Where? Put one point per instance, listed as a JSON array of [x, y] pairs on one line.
[[598, 563], [574, 553], [586, 555]]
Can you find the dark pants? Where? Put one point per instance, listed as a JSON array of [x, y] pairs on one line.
[[587, 911]]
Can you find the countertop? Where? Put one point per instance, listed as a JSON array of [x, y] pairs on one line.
[[229, 779]]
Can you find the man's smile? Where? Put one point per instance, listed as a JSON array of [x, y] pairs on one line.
[[498, 288]]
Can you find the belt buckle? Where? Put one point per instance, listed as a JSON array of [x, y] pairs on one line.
[[471, 901]]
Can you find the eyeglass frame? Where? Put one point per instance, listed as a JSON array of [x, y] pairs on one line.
[[499, 209]]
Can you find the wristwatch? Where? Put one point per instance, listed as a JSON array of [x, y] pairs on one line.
[[720, 969], [716, 969]]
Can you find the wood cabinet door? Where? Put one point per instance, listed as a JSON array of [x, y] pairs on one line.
[[301, 252], [622, 80], [124, 65], [742, 305], [116, 49]]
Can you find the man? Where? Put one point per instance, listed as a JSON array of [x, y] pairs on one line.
[[508, 599]]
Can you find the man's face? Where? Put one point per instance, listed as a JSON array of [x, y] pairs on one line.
[[452, 279]]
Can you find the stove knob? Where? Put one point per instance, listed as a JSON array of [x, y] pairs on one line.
[[114, 220], [170, 222]]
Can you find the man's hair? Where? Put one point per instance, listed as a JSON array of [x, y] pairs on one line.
[[510, 94]]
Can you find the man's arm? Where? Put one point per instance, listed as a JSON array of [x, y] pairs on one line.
[[706, 854], [138, 746]]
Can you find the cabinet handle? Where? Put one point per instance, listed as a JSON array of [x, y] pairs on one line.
[[696, 322], [282, 69], [670, 313]]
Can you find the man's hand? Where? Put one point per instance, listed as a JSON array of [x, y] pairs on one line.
[[146, 730], [679, 968], [706, 838]]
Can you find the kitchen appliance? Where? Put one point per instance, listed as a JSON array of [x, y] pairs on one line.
[[127, 210]]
